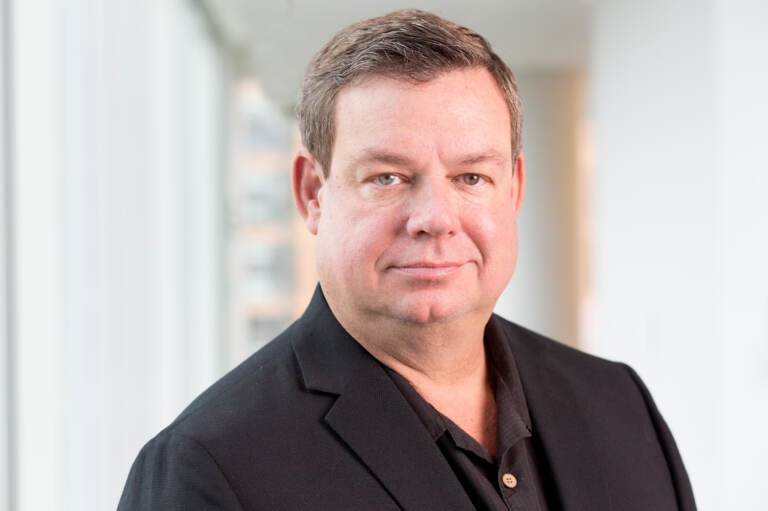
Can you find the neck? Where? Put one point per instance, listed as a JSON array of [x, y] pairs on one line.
[[445, 362], [442, 353]]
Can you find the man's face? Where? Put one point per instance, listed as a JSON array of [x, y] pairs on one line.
[[416, 220]]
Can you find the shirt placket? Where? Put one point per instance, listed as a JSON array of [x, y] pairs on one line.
[[513, 481]]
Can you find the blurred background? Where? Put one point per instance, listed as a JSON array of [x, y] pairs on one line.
[[148, 241]]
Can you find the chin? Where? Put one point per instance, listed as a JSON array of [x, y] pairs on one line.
[[429, 313]]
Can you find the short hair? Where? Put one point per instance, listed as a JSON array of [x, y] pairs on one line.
[[408, 44]]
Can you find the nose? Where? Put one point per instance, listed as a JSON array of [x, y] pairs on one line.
[[432, 209]]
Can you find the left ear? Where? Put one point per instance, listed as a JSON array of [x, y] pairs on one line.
[[518, 182]]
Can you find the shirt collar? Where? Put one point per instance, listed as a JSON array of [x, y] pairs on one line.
[[513, 418]]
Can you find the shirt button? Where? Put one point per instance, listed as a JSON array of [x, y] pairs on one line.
[[509, 480]]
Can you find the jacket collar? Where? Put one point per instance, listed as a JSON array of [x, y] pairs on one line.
[[371, 416]]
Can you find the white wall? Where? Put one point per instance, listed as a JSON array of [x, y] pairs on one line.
[[679, 109], [6, 382], [741, 52], [118, 236], [547, 286]]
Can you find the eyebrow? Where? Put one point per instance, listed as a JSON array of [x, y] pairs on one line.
[[384, 156], [473, 159], [392, 158]]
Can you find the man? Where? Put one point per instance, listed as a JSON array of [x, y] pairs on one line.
[[398, 388]]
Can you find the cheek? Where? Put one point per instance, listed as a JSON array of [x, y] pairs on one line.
[[356, 236], [494, 232]]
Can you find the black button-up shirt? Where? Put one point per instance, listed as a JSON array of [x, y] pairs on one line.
[[483, 476]]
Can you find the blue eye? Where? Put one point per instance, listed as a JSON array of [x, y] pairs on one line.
[[386, 179]]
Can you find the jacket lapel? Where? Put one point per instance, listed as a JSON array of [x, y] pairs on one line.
[[375, 421], [371, 416], [560, 426]]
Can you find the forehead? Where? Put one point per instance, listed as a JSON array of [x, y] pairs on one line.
[[460, 110]]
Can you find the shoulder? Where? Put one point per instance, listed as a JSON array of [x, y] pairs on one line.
[[545, 349], [606, 393], [260, 395], [188, 465], [545, 360], [602, 409], [234, 443]]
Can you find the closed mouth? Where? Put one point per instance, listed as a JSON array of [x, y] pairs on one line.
[[428, 270]]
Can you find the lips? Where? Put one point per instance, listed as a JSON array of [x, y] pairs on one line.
[[428, 270]]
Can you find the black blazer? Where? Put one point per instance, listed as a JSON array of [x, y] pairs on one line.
[[312, 422]]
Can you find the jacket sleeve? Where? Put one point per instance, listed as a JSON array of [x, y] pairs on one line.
[[174, 472], [683, 490]]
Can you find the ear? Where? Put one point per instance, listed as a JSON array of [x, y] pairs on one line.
[[518, 182], [307, 180]]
